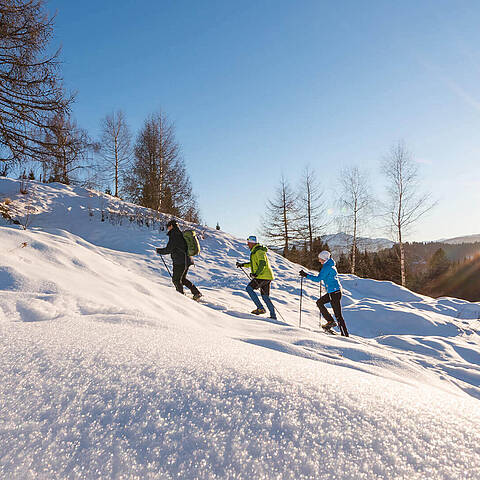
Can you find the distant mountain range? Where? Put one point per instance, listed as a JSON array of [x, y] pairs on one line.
[[465, 239], [341, 243]]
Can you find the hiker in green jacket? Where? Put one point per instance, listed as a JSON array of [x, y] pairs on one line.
[[261, 276]]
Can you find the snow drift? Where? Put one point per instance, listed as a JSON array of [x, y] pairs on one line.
[[108, 373]]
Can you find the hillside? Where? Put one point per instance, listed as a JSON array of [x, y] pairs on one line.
[[107, 372]]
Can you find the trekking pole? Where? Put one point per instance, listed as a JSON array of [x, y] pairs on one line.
[[166, 266], [279, 314], [246, 274], [319, 311], [301, 295]]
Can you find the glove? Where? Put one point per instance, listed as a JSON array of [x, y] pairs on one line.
[[303, 274], [158, 251], [253, 276], [239, 264]]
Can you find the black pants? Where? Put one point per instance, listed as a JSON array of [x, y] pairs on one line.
[[334, 299], [179, 279]]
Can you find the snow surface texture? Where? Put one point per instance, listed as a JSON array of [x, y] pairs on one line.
[[107, 372]]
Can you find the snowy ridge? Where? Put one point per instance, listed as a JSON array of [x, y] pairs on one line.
[[342, 243], [108, 373], [464, 239]]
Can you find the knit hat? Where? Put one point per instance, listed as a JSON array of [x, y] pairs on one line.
[[172, 223], [252, 239], [324, 255]]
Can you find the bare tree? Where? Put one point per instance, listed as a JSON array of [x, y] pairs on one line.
[[280, 216], [405, 204], [158, 178], [66, 151], [355, 203], [115, 147], [311, 207], [30, 87]]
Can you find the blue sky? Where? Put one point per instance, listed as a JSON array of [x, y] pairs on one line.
[[258, 89]]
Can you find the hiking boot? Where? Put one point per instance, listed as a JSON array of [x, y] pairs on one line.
[[197, 296], [330, 324], [259, 311], [273, 317]]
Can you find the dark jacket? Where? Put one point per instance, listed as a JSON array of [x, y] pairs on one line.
[[176, 247]]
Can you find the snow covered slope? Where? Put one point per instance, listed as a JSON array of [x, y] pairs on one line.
[[107, 372]]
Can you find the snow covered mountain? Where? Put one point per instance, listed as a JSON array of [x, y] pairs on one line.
[[342, 243], [464, 239], [107, 372]]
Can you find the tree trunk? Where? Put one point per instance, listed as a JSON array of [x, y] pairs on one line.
[[402, 257], [116, 167], [354, 246]]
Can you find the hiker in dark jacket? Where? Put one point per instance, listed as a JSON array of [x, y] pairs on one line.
[[177, 248]]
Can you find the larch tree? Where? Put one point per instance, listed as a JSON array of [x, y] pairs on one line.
[[280, 217], [311, 209], [158, 178], [31, 92]]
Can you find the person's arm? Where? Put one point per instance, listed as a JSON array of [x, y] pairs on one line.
[[167, 249], [315, 278], [322, 275], [245, 265]]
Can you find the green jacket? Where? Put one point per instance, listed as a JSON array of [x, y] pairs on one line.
[[259, 264]]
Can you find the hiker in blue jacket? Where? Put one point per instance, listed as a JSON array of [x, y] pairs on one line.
[[329, 276]]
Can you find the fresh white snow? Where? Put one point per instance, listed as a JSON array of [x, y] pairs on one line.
[[107, 372]]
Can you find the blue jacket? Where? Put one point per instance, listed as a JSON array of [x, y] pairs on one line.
[[328, 275]]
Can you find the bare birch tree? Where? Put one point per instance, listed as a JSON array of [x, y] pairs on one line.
[[280, 217], [115, 147], [31, 92], [311, 208], [405, 204], [355, 203]]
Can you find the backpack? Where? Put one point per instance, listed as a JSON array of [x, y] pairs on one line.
[[193, 245]]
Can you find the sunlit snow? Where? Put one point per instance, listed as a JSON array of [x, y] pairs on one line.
[[107, 372]]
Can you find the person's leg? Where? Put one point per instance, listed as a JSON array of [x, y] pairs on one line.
[[323, 309], [265, 291], [177, 277], [337, 310], [188, 283], [251, 292]]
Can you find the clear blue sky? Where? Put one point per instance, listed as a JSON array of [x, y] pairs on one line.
[[260, 88]]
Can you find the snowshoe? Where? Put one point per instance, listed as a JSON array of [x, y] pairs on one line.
[[328, 330], [328, 327], [330, 324], [259, 311]]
